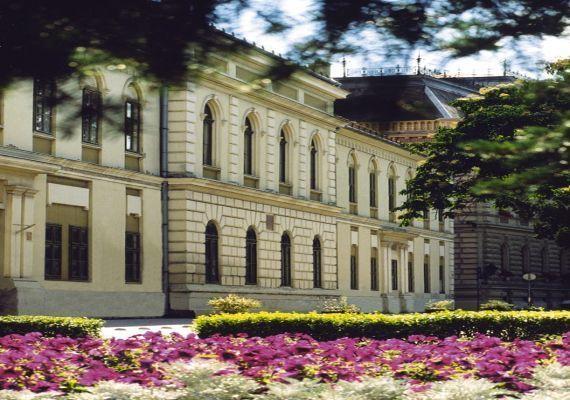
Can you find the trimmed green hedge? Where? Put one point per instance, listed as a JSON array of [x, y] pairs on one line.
[[507, 325], [50, 326]]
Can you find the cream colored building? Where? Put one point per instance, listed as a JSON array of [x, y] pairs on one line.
[[71, 197], [244, 182], [382, 266]]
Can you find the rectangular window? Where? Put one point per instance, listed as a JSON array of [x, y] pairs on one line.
[[427, 284], [78, 253], [353, 271], [411, 278], [53, 251], [132, 257], [394, 270], [352, 184], [132, 126], [391, 195], [441, 275], [374, 273], [44, 102], [90, 113], [373, 190]]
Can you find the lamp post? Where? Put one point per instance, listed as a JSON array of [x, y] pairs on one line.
[[529, 277]]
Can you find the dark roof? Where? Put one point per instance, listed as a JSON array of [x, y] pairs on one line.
[[398, 98], [477, 82]]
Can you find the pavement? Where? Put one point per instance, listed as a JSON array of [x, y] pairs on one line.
[[124, 328]]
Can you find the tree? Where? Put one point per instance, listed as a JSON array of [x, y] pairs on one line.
[[160, 39], [510, 149]]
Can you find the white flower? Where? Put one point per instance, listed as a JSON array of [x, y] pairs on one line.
[[297, 390], [382, 388], [26, 395], [462, 389], [553, 377], [108, 390]]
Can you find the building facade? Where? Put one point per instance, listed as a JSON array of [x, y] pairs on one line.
[[143, 201], [493, 248]]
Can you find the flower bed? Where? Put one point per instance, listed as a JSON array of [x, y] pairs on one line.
[[41, 364]]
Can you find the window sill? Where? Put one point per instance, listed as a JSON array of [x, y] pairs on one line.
[[316, 195], [211, 172], [285, 188], [134, 154], [91, 145], [44, 135], [250, 181]]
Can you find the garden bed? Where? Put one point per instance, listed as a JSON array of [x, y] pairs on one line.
[[44, 364]]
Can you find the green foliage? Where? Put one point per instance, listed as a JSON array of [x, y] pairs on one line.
[[506, 325], [50, 326], [339, 306], [233, 304], [441, 305], [497, 305], [512, 148]]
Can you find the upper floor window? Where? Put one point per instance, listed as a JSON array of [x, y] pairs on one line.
[[212, 256], [132, 125], [208, 136], [44, 103], [373, 193], [248, 153], [317, 263], [283, 158], [392, 193], [251, 257], [314, 155], [352, 180], [91, 115]]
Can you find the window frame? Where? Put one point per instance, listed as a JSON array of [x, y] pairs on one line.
[[442, 275], [132, 126], [427, 275], [78, 268], [248, 148], [286, 265], [133, 270], [283, 158], [212, 254], [45, 102], [208, 131], [317, 263], [411, 275], [91, 113], [55, 248], [374, 281], [394, 274], [251, 257], [354, 267]]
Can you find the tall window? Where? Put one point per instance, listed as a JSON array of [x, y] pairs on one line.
[[132, 126], [283, 159], [411, 277], [44, 102], [314, 165], [352, 180], [78, 253], [394, 271], [248, 148], [208, 137], [505, 259], [285, 259], [53, 251], [373, 193], [374, 270], [544, 260], [427, 281], [391, 193], [441, 274], [91, 114], [525, 254], [251, 257], [132, 257], [317, 263], [354, 267], [212, 257]]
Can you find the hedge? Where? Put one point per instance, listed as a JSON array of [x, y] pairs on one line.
[[50, 326], [507, 325]]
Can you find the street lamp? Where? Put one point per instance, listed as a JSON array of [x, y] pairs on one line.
[[529, 277]]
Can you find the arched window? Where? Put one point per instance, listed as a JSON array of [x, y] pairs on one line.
[[251, 257], [544, 267], [392, 194], [352, 180], [374, 269], [354, 267], [525, 255], [132, 121], [314, 154], [208, 136], [505, 258], [285, 259], [248, 150], [317, 263], [212, 257], [283, 158], [91, 109]]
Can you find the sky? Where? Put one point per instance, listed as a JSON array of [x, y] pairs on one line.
[[524, 59]]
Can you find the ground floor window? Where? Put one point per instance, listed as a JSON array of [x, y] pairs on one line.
[[354, 267], [78, 253], [286, 260], [427, 284], [411, 278], [374, 270], [133, 257], [394, 271], [441, 275], [53, 251], [212, 256]]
